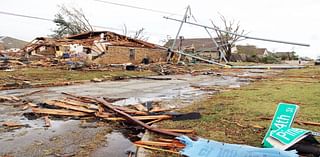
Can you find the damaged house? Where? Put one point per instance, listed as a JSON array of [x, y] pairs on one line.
[[102, 47], [202, 47]]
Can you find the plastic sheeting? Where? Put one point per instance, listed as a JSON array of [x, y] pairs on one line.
[[209, 148]]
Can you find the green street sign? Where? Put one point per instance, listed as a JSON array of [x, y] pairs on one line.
[[283, 118], [288, 136]]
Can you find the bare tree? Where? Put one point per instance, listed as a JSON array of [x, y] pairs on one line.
[[227, 40], [125, 30], [139, 34], [70, 21]]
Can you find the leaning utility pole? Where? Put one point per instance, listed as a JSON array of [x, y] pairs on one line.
[[185, 16], [184, 20]]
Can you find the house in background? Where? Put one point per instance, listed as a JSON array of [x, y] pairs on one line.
[[10, 44], [286, 55], [252, 51], [203, 47]]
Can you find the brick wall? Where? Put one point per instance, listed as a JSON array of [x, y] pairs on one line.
[[120, 54], [1, 46]]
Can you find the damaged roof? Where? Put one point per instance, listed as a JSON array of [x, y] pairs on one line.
[[89, 38], [112, 38]]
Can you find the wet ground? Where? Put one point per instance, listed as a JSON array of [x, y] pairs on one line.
[[85, 138]]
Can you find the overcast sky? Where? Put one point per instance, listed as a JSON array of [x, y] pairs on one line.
[[288, 20]]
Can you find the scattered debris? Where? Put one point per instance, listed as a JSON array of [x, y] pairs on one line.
[[12, 124]]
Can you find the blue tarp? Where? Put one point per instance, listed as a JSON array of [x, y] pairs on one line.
[[209, 148]]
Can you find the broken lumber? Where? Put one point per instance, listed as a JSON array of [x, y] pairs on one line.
[[47, 122], [131, 111], [296, 121], [154, 121], [138, 122], [31, 93], [78, 103], [13, 124], [59, 112], [140, 107], [32, 105], [10, 98], [67, 106], [157, 149], [161, 144], [141, 117], [180, 131], [103, 115]]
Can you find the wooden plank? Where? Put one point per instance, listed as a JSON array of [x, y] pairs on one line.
[[58, 112], [161, 144], [137, 121], [159, 109], [140, 107], [32, 105], [47, 122], [296, 121], [74, 102], [67, 106], [141, 117], [103, 114], [180, 131], [157, 149], [154, 121], [12, 124], [131, 111]]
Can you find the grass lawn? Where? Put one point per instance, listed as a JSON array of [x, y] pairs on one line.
[[233, 116]]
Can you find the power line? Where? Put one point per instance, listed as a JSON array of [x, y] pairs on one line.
[[25, 16], [47, 19], [137, 7]]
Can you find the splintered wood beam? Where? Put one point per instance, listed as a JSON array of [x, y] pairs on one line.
[[180, 131], [131, 111], [67, 106], [74, 103], [141, 117], [47, 122], [161, 144], [134, 120], [157, 149], [59, 112]]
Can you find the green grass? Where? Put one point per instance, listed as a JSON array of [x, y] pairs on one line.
[[244, 106]]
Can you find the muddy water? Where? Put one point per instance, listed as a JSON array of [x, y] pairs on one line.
[[71, 137]]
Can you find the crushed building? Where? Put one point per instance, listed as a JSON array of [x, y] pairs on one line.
[[102, 47]]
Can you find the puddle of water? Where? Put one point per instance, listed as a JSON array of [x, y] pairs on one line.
[[116, 146]]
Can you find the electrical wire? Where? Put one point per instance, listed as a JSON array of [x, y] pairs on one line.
[[137, 7]]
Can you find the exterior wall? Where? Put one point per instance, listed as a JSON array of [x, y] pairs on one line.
[[209, 55], [120, 55], [1, 46], [46, 51]]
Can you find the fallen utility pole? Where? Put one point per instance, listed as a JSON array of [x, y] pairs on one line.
[[244, 36], [199, 58], [268, 67], [215, 42]]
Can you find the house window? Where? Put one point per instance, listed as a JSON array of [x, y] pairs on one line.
[[57, 48], [132, 54]]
